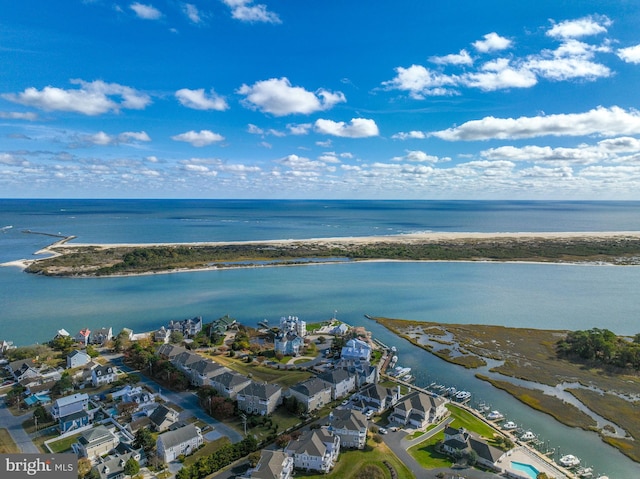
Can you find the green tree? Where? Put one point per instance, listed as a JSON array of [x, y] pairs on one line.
[[176, 337], [64, 384], [131, 467], [143, 439]]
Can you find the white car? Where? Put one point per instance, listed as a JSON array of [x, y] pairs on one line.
[[345, 402], [369, 414], [382, 430]]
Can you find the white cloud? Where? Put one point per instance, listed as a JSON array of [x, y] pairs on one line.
[[146, 12], [572, 59], [296, 162], [582, 27], [246, 11], [18, 115], [420, 82], [278, 97], [357, 128], [417, 156], [462, 58], [410, 135], [299, 129], [630, 54], [198, 139], [199, 100], [191, 11], [492, 42], [92, 98], [599, 121], [500, 74]]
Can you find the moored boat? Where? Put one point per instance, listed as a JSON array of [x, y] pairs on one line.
[[528, 436], [569, 461], [509, 425], [495, 416]]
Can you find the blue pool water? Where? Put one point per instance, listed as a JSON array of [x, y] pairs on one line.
[[531, 471]]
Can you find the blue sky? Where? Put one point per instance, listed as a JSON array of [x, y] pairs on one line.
[[320, 99]]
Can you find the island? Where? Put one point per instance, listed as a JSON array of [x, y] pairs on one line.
[[67, 258]]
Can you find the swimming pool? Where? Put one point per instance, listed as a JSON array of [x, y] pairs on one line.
[[531, 471]]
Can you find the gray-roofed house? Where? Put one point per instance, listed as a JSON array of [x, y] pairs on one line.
[[315, 450], [163, 417], [342, 383], [188, 327], [103, 375], [202, 371], [101, 336], [313, 393], [170, 351], [183, 441], [418, 410], [229, 384], [259, 398], [69, 404], [77, 358], [113, 467], [351, 426], [23, 369], [460, 441], [96, 442], [272, 465], [376, 398], [162, 335]]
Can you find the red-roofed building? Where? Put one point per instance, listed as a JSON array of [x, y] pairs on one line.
[[83, 336]]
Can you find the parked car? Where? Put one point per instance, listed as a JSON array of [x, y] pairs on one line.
[[382, 430]]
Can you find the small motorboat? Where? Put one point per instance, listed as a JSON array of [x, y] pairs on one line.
[[495, 416], [509, 425], [528, 436], [569, 461]]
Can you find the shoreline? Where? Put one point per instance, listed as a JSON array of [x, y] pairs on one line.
[[57, 248]]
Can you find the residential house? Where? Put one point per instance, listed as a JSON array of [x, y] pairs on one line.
[[293, 324], [162, 335], [342, 383], [351, 426], [259, 398], [70, 404], [418, 410], [163, 417], [183, 441], [170, 351], [188, 327], [315, 450], [202, 371], [288, 343], [37, 399], [6, 346], [96, 442], [83, 336], [229, 384], [103, 375], [271, 465], [356, 349], [77, 358], [313, 393], [101, 336], [62, 333], [112, 467], [459, 441], [340, 330], [376, 398], [138, 395], [24, 369], [185, 360], [75, 420]]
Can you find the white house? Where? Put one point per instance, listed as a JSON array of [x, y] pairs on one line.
[[259, 398], [77, 358], [272, 465], [293, 324], [103, 375], [418, 410], [229, 384], [356, 349], [70, 404], [183, 441], [351, 426], [96, 442], [342, 383], [102, 335], [315, 450], [313, 393]]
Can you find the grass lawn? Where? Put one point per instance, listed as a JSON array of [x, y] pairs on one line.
[[465, 419], [209, 448], [352, 461], [63, 444], [427, 456], [7, 446], [282, 377]]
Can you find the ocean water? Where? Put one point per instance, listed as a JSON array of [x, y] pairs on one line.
[[526, 295]]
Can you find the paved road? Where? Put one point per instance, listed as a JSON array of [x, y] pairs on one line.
[[188, 402], [14, 425]]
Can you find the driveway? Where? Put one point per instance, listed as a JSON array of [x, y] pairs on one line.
[[14, 425]]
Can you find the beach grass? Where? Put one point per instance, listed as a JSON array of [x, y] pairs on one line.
[[7, 446], [282, 377]]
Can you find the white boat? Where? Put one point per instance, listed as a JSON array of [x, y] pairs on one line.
[[463, 396], [585, 472], [400, 371], [569, 461], [393, 362], [495, 416], [528, 436], [509, 425]]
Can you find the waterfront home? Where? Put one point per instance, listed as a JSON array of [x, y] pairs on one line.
[[62, 333], [161, 335], [351, 426], [96, 442], [293, 324], [376, 398], [315, 450], [163, 417], [77, 358], [259, 398], [188, 327], [229, 384], [364, 372], [101, 336], [70, 404], [340, 330], [418, 410], [271, 465], [103, 375], [73, 421], [288, 343], [461, 442], [313, 393], [6, 346], [342, 383], [179, 442], [201, 372], [356, 349], [83, 336]]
